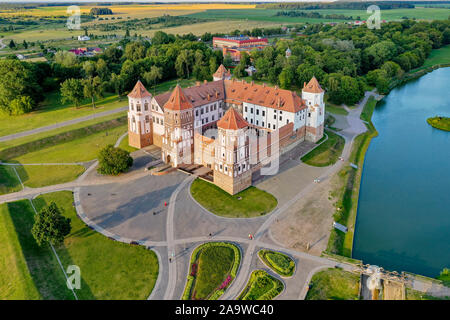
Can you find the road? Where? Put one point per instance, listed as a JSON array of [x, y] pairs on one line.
[[62, 124]]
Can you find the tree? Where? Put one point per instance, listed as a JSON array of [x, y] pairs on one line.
[[50, 226], [92, 88], [72, 91], [88, 69], [66, 59], [153, 75], [113, 161], [183, 63], [25, 44], [117, 83], [102, 69], [12, 44], [21, 105], [227, 61], [15, 81]]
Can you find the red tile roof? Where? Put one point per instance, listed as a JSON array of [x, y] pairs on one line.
[[177, 100], [313, 86], [139, 91], [221, 72], [232, 120]]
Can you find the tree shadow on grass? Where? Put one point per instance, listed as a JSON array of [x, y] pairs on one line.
[[8, 180], [84, 293], [41, 262]]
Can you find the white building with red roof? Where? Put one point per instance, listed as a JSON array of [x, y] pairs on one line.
[[178, 121]]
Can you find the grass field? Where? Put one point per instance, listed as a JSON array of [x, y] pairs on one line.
[[335, 109], [437, 56], [109, 269], [260, 14], [252, 202], [261, 286], [326, 153], [52, 111], [278, 262], [367, 112], [41, 176], [73, 146], [8, 180], [27, 271], [334, 284], [125, 146]]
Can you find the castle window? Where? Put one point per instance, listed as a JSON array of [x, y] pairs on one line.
[[263, 113], [257, 122], [257, 112], [268, 125], [162, 122], [201, 111], [275, 116], [154, 120], [146, 106], [212, 118], [138, 107], [273, 127], [226, 169], [157, 120], [309, 114], [263, 123], [281, 118], [251, 110], [131, 106], [196, 113], [207, 109], [245, 109], [147, 119], [287, 121]]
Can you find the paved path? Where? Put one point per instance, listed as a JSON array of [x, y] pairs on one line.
[[62, 124], [2, 45], [183, 225]]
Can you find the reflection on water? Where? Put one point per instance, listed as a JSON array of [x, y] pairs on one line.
[[403, 218]]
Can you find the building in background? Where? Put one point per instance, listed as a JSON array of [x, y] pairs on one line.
[[234, 46]]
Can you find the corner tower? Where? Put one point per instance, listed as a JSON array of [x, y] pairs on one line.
[[178, 139], [313, 94], [140, 130], [232, 168], [221, 74]]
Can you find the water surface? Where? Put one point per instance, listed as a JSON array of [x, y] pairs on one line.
[[403, 220]]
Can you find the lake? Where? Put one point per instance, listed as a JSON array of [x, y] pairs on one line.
[[403, 220]]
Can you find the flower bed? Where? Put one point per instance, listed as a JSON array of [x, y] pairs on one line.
[[278, 262], [213, 266], [261, 286]]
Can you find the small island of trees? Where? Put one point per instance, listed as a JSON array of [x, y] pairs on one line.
[[100, 11], [442, 123]]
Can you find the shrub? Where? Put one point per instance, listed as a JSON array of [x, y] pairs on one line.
[[114, 161], [278, 262]]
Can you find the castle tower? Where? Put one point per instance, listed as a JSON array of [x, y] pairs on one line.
[[140, 130], [232, 168], [313, 94], [222, 74], [178, 139]]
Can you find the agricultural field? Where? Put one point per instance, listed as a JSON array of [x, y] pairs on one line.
[[258, 14], [261, 286]]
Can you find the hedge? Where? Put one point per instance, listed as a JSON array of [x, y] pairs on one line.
[[265, 257]]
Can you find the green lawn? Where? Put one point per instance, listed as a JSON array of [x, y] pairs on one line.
[[27, 271], [437, 56], [52, 111], [253, 201], [367, 112], [125, 146], [41, 176], [335, 109], [73, 146], [109, 269], [442, 123], [326, 153], [278, 262], [8, 180], [261, 286], [334, 284], [213, 268]]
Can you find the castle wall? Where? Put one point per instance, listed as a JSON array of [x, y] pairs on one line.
[[233, 185]]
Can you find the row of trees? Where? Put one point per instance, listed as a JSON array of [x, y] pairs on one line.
[[346, 59]]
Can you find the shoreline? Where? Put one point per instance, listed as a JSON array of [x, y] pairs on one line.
[[358, 152]]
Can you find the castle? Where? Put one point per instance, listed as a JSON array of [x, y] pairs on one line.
[[178, 123]]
